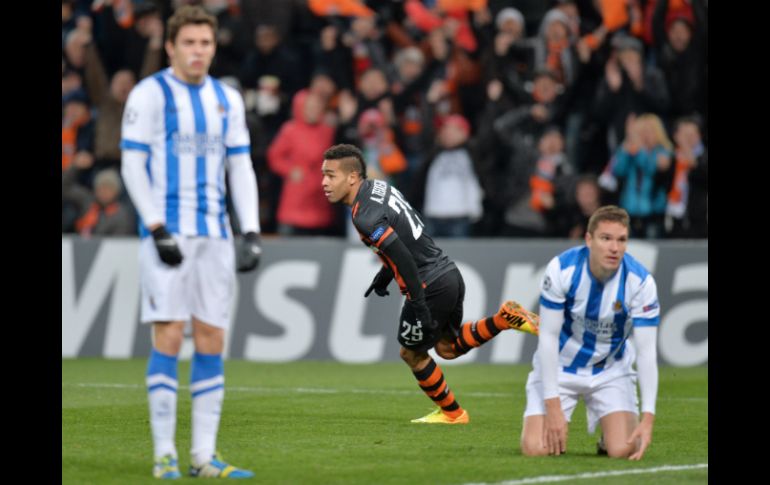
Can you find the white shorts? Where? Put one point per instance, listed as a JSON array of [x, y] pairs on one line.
[[609, 391], [202, 286]]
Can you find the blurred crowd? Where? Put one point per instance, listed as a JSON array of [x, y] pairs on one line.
[[495, 118]]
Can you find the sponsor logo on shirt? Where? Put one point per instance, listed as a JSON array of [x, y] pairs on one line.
[[651, 306], [377, 234]]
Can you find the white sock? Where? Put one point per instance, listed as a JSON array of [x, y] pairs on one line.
[[161, 392], [207, 388]]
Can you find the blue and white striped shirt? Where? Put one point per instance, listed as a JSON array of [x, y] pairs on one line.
[[188, 131], [598, 317]]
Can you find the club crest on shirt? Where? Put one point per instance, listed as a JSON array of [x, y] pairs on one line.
[[617, 306]]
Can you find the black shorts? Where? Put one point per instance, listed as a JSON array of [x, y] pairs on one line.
[[444, 298]]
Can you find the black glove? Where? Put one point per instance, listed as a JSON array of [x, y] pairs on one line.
[[168, 249], [422, 314], [249, 252], [380, 282]]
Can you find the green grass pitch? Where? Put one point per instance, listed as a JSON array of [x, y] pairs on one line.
[[329, 423]]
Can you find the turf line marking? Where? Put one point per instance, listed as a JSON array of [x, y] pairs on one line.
[[611, 473], [329, 390]]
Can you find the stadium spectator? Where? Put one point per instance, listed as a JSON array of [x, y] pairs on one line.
[[447, 190], [520, 129], [681, 53], [585, 200], [533, 215], [100, 213], [294, 156], [628, 87], [109, 96], [477, 59], [643, 168], [687, 207]]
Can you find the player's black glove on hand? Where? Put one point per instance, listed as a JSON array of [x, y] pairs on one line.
[[249, 252], [380, 282], [168, 249], [422, 313]]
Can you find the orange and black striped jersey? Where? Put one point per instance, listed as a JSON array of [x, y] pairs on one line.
[[381, 215]]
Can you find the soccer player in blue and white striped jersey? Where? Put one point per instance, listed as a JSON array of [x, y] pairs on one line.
[[593, 298], [182, 131]]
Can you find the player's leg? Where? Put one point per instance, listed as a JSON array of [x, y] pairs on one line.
[[453, 319], [532, 443], [162, 383], [616, 428], [212, 283], [443, 297], [613, 403], [164, 305], [511, 315], [431, 380], [533, 431]]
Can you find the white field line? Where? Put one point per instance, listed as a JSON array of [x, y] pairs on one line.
[[611, 473], [329, 390]]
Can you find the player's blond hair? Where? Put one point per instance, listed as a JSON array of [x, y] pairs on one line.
[[610, 213]]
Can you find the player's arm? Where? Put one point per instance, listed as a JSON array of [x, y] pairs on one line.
[[380, 282], [645, 312], [551, 320], [555, 431], [645, 339], [243, 186], [405, 270], [136, 135], [137, 182], [137, 126]]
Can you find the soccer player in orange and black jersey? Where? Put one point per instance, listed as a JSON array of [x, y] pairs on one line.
[[434, 288]]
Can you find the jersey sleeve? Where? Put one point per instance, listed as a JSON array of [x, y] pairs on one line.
[[552, 290], [237, 138], [140, 117], [371, 222], [644, 307]]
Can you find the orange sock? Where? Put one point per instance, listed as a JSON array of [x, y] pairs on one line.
[[433, 384], [475, 334]]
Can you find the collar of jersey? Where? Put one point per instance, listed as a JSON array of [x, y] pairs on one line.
[[170, 74], [360, 191]]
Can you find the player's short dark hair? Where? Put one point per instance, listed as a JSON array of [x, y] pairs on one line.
[[351, 158], [189, 15], [611, 213]]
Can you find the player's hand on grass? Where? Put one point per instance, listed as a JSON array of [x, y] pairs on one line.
[[642, 433], [555, 428]]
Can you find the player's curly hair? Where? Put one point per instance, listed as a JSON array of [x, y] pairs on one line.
[[352, 160], [187, 15]]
